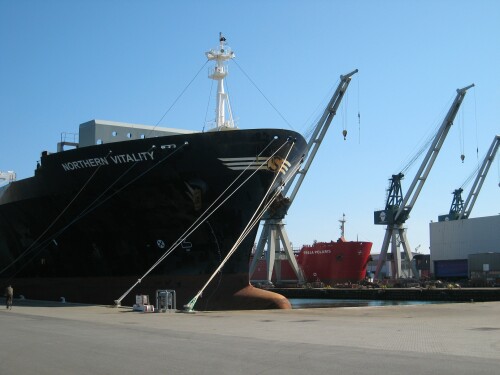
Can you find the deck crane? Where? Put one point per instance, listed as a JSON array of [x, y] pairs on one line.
[[398, 207], [273, 233], [460, 210]]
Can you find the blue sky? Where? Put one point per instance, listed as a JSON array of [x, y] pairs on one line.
[[63, 63]]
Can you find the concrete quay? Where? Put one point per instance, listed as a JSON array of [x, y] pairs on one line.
[[55, 338]]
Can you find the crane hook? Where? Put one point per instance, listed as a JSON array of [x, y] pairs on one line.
[[344, 133], [462, 157]]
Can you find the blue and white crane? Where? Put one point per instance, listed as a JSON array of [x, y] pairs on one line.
[[398, 206], [273, 232], [460, 210]]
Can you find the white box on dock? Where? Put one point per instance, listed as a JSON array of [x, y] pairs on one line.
[[143, 308], [142, 299]]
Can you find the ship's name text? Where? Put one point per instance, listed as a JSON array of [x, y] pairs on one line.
[[311, 252], [113, 159]]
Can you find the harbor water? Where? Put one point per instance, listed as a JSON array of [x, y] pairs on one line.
[[304, 303]]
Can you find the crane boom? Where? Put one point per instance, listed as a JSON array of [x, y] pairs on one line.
[[273, 232], [478, 183], [430, 157], [320, 131], [398, 208], [460, 210]]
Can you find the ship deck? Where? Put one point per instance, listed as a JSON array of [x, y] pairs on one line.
[[52, 338]]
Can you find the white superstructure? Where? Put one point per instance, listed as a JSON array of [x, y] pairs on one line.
[[8, 176], [223, 113]]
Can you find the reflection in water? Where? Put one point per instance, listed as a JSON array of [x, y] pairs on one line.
[[305, 303]]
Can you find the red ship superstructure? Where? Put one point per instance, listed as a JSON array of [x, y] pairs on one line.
[[335, 262]]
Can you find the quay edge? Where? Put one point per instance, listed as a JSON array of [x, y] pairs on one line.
[[397, 294]]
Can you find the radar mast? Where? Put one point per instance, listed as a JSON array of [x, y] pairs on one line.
[[220, 55]]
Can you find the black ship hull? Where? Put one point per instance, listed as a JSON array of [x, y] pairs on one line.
[[93, 220]]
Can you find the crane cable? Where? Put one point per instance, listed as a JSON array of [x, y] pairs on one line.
[[461, 133], [462, 128], [498, 164], [307, 134], [251, 224], [204, 216], [200, 220], [419, 152], [475, 120], [29, 249], [424, 142], [359, 115], [345, 105], [471, 176]]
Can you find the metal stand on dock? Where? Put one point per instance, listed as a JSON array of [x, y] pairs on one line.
[[165, 300]]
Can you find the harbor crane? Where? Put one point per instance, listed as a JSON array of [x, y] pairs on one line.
[[273, 232], [460, 210], [398, 207]]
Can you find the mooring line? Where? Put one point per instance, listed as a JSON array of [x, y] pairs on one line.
[[202, 218], [35, 243], [91, 207], [248, 228]]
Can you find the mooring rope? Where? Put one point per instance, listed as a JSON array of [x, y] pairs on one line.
[[204, 216], [36, 242], [95, 205], [91, 207], [259, 212]]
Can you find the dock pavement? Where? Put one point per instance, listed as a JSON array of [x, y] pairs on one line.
[[64, 338]]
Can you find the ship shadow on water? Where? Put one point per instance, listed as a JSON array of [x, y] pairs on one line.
[[309, 303]]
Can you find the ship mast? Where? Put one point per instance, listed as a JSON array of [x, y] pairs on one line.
[[221, 54], [342, 227]]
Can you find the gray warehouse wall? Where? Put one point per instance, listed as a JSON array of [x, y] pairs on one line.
[[453, 240]]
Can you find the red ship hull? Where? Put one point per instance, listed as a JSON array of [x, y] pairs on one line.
[[326, 262]]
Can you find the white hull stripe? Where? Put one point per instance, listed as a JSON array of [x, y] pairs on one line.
[[252, 163]]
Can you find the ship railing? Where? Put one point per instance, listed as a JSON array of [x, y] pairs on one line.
[[67, 139], [212, 125]]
